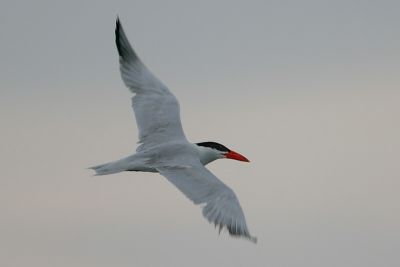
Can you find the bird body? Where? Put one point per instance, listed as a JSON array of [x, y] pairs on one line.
[[164, 148], [147, 160]]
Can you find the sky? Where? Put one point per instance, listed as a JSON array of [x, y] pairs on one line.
[[307, 90]]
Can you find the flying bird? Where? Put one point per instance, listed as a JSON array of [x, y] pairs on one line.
[[163, 146]]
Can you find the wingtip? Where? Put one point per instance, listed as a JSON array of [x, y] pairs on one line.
[[117, 25], [245, 235], [125, 51], [253, 239], [249, 237], [117, 36], [118, 22]]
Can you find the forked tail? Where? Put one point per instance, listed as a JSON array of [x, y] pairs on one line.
[[107, 168], [130, 163], [114, 166]]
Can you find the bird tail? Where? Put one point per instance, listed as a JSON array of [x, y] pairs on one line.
[[106, 168], [134, 162], [113, 167]]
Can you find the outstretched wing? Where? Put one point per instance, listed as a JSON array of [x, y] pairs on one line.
[[156, 108], [221, 205]]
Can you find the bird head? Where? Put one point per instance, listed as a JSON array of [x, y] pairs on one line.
[[210, 151]]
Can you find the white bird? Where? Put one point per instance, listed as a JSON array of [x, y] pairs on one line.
[[164, 148]]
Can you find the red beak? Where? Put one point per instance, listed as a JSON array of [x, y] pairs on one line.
[[234, 155]]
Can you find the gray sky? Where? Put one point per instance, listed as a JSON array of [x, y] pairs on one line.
[[307, 90]]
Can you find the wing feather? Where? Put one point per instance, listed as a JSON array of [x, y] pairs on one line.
[[221, 206], [156, 108]]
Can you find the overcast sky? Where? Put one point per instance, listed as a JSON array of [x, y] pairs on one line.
[[309, 91]]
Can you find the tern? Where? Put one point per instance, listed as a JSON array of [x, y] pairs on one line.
[[163, 146]]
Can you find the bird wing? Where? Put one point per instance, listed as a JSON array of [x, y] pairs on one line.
[[220, 204], [156, 108]]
